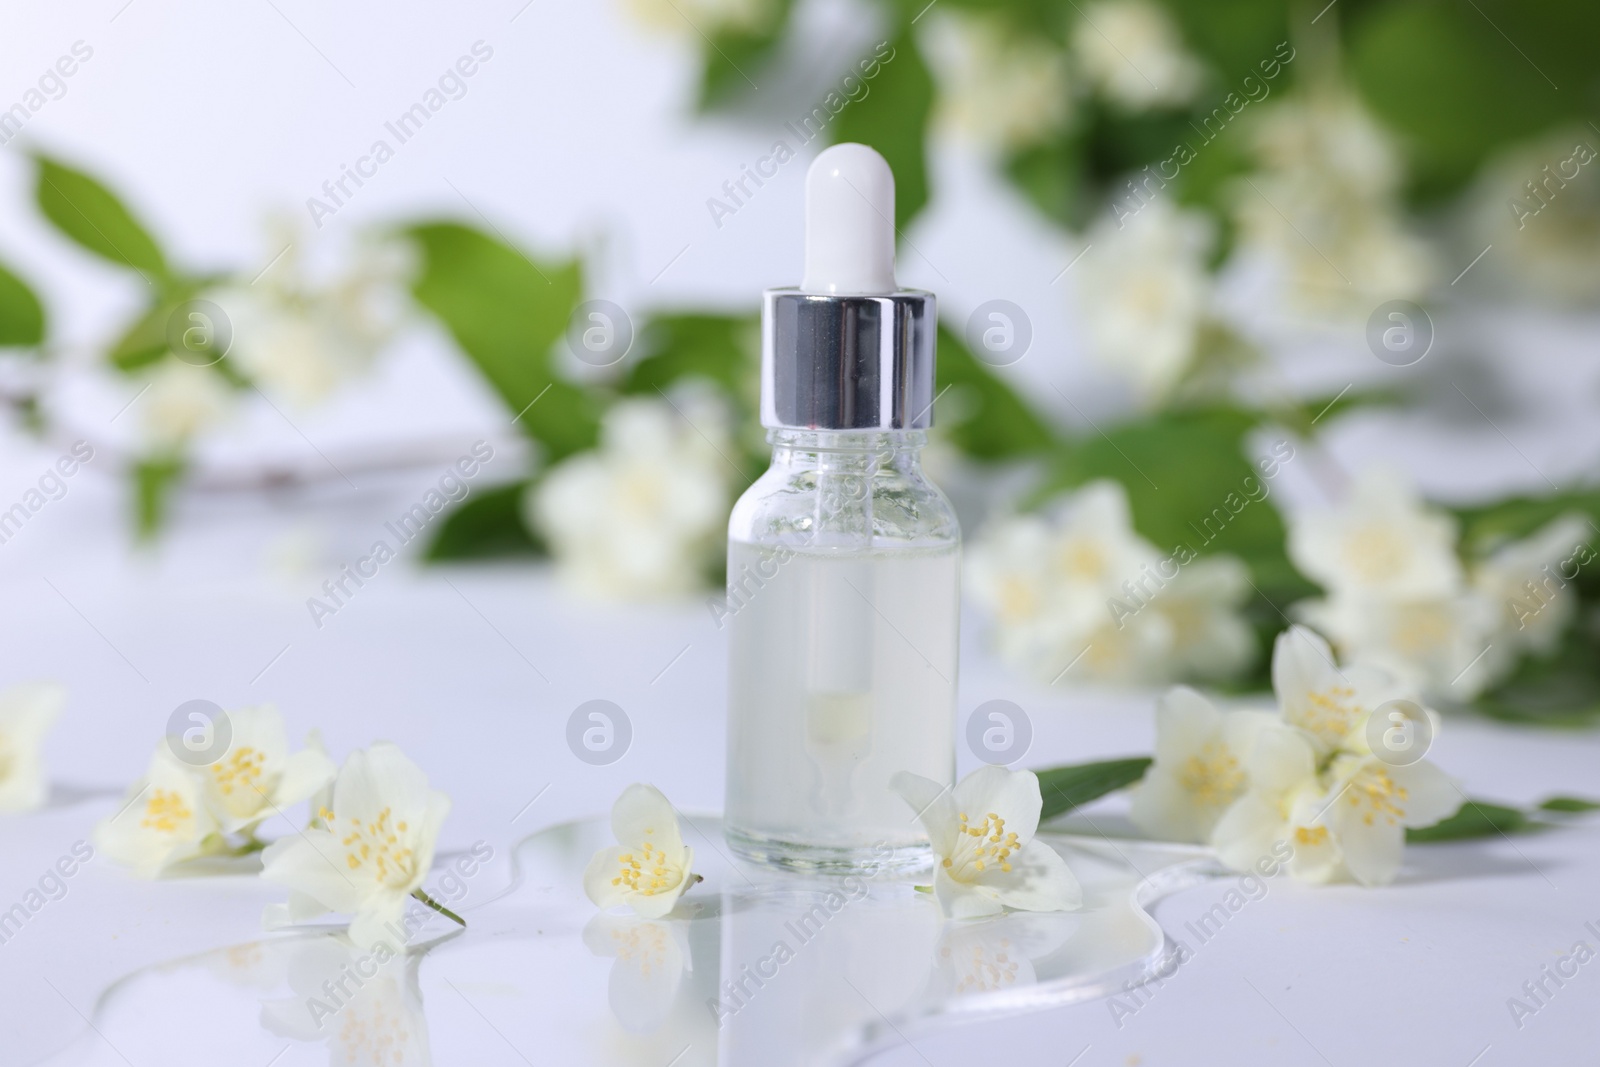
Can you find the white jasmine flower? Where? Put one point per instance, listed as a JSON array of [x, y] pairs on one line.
[[181, 402], [1349, 821], [1539, 203], [258, 777], [1399, 597], [641, 515], [1281, 807], [1329, 703], [650, 956], [164, 822], [1210, 639], [982, 834], [302, 340], [371, 853], [1325, 209], [1383, 542], [997, 86], [1011, 572], [650, 866], [26, 714], [1077, 587], [1045, 579], [697, 18], [1199, 768], [1133, 53], [1095, 543], [1314, 784], [1145, 294], [1372, 803], [1529, 581], [1443, 645]]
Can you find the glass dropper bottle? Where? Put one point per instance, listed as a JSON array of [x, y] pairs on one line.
[[843, 559]]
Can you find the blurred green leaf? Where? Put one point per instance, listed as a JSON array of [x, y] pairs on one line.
[[506, 312], [736, 59], [1190, 484], [1052, 176], [487, 525], [1235, 36], [1570, 805], [992, 421], [1307, 413], [721, 348], [1561, 690], [145, 341], [1065, 788], [1477, 818], [1486, 525], [1458, 81], [893, 118], [21, 313], [154, 481], [92, 215]]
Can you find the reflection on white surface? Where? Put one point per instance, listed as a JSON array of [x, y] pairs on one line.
[[996, 955], [752, 967], [651, 956], [364, 1006]]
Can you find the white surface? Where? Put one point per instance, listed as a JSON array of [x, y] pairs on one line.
[[474, 672]]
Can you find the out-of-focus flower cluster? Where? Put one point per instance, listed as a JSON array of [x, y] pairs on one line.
[[1147, 298], [997, 87], [295, 337], [1539, 207], [1399, 595], [1324, 207], [691, 18], [1075, 588], [644, 514], [1006, 88]]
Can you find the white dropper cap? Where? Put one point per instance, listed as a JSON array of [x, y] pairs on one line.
[[849, 223]]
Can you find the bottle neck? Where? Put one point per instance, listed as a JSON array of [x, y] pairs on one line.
[[836, 449]]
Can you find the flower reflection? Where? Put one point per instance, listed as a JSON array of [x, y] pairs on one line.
[[651, 957], [995, 955], [365, 1005]]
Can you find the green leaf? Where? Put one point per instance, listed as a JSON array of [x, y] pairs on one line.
[[1065, 788], [1236, 36], [1455, 88], [90, 214], [1476, 818], [154, 481], [724, 349], [506, 311], [1574, 805], [487, 525], [991, 421], [1190, 486], [1508, 520], [893, 118], [1561, 690], [1052, 176], [737, 59], [21, 313], [145, 340]]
